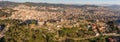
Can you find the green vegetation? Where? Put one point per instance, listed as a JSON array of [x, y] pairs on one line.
[[70, 32], [23, 33]]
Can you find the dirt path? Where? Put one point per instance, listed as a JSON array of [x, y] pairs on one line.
[[4, 31]]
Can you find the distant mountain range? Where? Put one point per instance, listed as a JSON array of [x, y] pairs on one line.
[[8, 3], [114, 6], [13, 4]]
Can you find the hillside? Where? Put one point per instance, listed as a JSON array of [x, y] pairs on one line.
[[44, 22], [52, 10], [47, 14]]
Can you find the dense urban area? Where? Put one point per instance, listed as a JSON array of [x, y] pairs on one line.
[[43, 22]]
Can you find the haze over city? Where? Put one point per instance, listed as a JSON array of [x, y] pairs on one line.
[[71, 1]]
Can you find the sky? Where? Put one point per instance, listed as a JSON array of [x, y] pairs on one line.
[[71, 1]]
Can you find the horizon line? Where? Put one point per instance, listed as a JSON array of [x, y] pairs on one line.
[[62, 3]]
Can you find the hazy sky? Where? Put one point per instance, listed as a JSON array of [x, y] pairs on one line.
[[72, 1]]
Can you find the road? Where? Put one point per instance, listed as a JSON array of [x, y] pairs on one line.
[[2, 34], [90, 37]]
